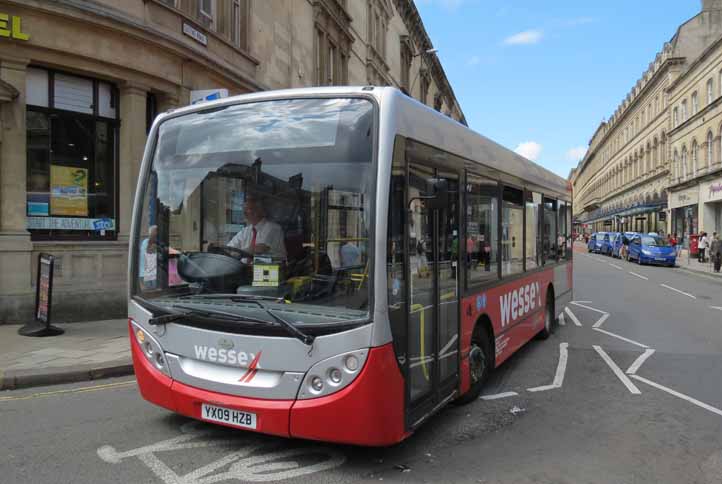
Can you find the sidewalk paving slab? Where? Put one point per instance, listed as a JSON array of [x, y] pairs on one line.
[[86, 351]]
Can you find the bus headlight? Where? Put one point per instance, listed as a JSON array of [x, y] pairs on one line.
[[150, 348], [332, 374]]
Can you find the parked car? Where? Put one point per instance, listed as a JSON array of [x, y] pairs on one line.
[[596, 242], [606, 245], [615, 243], [652, 249]]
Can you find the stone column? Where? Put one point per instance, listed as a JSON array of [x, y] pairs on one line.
[[133, 99], [15, 246]]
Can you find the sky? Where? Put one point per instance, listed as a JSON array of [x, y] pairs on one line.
[[539, 76]]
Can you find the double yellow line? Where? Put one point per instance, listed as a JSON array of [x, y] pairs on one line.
[[72, 390]]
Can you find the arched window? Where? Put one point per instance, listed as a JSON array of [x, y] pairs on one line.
[[694, 158], [675, 162], [710, 91], [685, 168], [684, 111], [675, 117], [710, 140], [695, 103]]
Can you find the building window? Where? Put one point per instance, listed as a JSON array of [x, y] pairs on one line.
[[424, 94], [675, 117], [406, 58], [331, 65], [207, 8], [239, 19], [695, 150], [684, 110], [685, 168], [710, 91], [695, 104], [71, 156], [709, 148]]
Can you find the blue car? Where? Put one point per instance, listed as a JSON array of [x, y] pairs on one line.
[[615, 243], [596, 242], [652, 249]]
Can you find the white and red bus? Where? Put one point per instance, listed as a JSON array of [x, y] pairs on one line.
[[336, 263]]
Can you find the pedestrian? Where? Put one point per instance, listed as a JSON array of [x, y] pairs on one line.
[[676, 244], [701, 246], [715, 251]]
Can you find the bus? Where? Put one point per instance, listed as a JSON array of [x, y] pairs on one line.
[[337, 263]]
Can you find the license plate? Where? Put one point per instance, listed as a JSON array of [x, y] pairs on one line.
[[236, 418], [660, 259]]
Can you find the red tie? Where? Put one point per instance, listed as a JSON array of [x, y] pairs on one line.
[[253, 241]]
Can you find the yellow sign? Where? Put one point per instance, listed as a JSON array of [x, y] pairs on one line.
[[265, 275], [68, 191], [10, 27]]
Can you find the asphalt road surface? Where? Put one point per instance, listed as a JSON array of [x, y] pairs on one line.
[[628, 390]]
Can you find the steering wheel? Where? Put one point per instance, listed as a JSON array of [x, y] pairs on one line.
[[229, 252]]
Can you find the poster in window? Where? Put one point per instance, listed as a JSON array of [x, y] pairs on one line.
[[68, 191]]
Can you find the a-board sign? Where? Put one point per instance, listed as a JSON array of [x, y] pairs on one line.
[[43, 300]]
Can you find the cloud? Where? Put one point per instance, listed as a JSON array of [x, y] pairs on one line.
[[473, 60], [525, 38], [576, 154], [529, 150]]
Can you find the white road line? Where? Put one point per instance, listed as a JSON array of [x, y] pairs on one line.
[[719, 308], [677, 290], [601, 320], [561, 320], [578, 303], [499, 395], [613, 335], [679, 395], [575, 302], [616, 266], [639, 275], [561, 369], [572, 317], [617, 371], [640, 361]]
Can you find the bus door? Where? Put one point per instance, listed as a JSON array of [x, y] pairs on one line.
[[433, 320]]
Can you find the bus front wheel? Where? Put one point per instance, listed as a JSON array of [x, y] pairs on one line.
[[481, 362], [549, 318]]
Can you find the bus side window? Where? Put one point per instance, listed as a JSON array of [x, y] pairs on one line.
[[396, 273], [482, 218]]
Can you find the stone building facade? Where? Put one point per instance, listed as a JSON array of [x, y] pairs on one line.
[[81, 80], [624, 181]]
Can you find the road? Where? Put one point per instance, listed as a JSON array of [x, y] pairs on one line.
[[635, 400]]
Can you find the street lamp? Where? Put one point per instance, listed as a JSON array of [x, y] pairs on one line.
[[428, 52]]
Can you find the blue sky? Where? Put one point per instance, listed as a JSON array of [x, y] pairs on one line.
[[539, 76]]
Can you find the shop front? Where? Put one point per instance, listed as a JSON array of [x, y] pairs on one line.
[[76, 102], [684, 205], [710, 198]]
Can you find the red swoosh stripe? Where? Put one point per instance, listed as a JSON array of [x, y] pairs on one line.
[[251, 371]]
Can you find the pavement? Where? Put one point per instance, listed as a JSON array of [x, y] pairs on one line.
[[625, 392], [86, 351], [691, 264]]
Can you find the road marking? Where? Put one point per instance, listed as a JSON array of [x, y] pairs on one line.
[[640, 361], [499, 395], [678, 395], [561, 320], [572, 317], [616, 266], [561, 369], [578, 303], [613, 335], [601, 320], [719, 308], [73, 390], [639, 275], [677, 290], [617, 371]]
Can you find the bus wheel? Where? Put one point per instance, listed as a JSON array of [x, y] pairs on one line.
[[549, 319], [481, 362]]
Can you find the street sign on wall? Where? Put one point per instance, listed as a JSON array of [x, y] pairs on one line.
[[208, 95]]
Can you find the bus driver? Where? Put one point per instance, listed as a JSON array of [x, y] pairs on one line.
[[260, 235]]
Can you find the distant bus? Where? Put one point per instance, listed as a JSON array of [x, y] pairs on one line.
[[336, 263]]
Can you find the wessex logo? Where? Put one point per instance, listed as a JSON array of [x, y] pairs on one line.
[[220, 355], [519, 302]]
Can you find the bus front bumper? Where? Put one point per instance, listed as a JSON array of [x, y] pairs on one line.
[[370, 411]]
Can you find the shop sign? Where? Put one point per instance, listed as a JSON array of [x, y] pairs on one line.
[[10, 27], [195, 34], [67, 223], [207, 95], [684, 197], [712, 191]]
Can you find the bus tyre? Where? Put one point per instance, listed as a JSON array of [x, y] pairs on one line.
[[481, 362], [550, 321]]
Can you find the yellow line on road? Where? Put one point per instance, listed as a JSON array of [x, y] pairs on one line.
[[73, 390]]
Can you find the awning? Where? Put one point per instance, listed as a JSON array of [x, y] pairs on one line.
[[626, 212]]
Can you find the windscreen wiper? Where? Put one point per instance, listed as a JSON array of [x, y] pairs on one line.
[[171, 315], [306, 339]]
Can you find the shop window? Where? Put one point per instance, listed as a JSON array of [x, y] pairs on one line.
[[512, 235], [482, 219], [71, 157]]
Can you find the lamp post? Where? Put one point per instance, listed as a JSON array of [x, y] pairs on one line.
[[427, 52]]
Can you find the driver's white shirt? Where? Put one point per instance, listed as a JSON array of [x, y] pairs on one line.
[[267, 233]]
